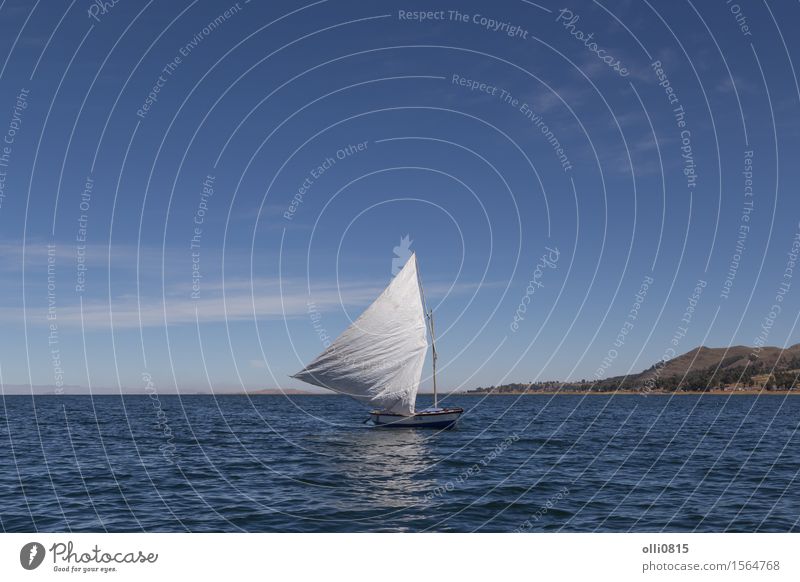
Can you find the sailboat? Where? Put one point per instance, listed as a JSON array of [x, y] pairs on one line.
[[378, 359]]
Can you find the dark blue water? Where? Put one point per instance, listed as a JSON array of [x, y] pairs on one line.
[[566, 463]]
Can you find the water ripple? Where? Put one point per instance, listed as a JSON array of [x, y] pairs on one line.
[[270, 464]]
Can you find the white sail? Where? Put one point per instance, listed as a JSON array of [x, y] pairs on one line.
[[378, 359]]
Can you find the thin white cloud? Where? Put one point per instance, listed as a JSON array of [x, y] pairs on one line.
[[271, 301], [170, 302], [237, 304]]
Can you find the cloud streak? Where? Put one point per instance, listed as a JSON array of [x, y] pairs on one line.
[[270, 299]]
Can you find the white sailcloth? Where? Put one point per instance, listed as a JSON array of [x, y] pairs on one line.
[[378, 359]]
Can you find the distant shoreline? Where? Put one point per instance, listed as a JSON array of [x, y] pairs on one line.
[[747, 392]]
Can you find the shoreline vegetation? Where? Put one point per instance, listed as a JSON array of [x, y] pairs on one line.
[[749, 391]]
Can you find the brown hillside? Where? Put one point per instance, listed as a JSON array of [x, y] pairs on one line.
[[703, 358]]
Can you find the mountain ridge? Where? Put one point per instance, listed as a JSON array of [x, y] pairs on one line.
[[700, 369]]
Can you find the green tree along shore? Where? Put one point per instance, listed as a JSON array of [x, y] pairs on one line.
[[737, 368]]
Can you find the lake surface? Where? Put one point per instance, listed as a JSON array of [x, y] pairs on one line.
[[308, 464]]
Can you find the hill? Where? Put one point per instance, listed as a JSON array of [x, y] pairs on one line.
[[698, 370], [734, 357]]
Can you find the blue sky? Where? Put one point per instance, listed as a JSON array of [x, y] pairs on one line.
[[152, 102]]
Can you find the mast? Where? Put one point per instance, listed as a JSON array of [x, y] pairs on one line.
[[429, 317], [433, 355]]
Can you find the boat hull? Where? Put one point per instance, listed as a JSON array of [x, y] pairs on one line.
[[435, 418]]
